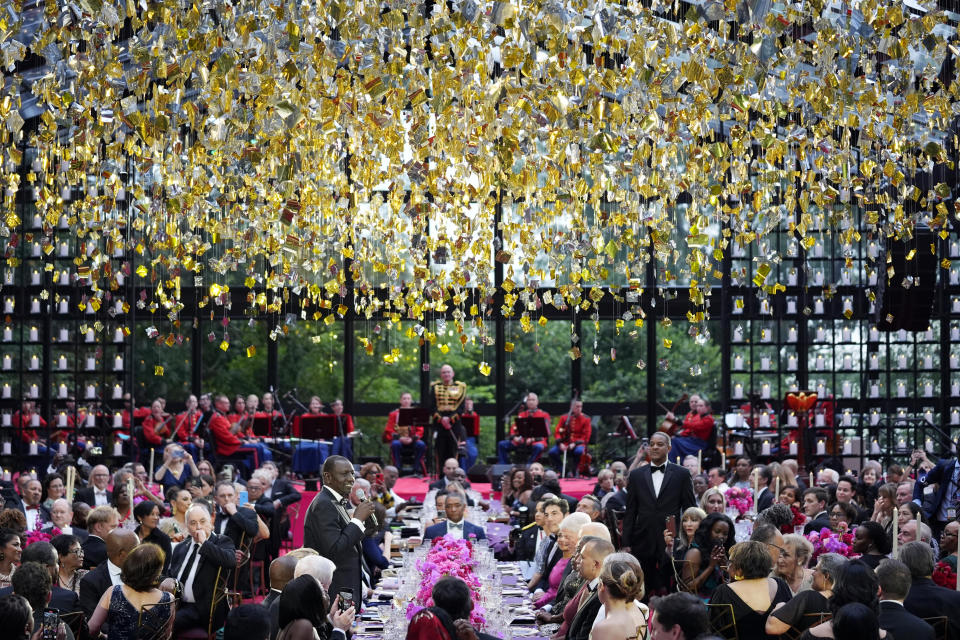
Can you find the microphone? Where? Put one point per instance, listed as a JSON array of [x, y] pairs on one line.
[[363, 498]]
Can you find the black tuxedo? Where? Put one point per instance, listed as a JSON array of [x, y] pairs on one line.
[[903, 624], [617, 501], [442, 484], [647, 514], [43, 514], [241, 527], [765, 499], [822, 521], [928, 600], [87, 495], [94, 551], [582, 622], [285, 492], [92, 587], [215, 560], [329, 532]]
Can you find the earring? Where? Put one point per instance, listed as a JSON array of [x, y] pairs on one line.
[[1, 557]]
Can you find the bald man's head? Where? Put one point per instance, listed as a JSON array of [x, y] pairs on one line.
[[281, 571], [119, 543], [595, 529]]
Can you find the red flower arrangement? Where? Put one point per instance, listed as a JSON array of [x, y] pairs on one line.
[[40, 536], [739, 499], [944, 576], [447, 557], [798, 520]]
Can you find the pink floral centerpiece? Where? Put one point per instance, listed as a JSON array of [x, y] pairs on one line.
[[826, 541], [447, 557], [40, 536], [739, 499]]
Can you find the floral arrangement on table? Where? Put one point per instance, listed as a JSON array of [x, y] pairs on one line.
[[798, 520], [40, 536], [826, 541], [447, 557], [739, 499], [944, 576]]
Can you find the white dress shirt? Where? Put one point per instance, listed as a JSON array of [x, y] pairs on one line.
[[455, 530], [188, 581], [32, 515], [114, 572], [657, 477], [100, 497], [337, 498]]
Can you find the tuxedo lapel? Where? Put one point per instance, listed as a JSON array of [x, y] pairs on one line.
[[646, 478], [667, 479], [339, 507]]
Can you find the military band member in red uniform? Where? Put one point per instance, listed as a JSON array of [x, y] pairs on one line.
[[504, 447], [571, 435], [399, 437], [695, 431]]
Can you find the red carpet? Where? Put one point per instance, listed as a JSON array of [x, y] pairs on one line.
[[417, 488]]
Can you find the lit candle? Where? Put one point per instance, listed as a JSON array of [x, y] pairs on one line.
[[792, 334], [118, 335], [766, 335], [845, 389], [902, 361], [120, 278], [847, 361], [819, 363], [901, 388], [64, 222], [928, 416], [91, 391], [62, 419], [955, 333], [738, 391], [738, 448], [895, 541], [6, 475], [117, 420], [34, 363], [765, 391], [118, 363], [34, 334], [818, 308], [875, 448], [117, 448], [737, 333], [821, 390], [36, 249], [821, 334], [821, 446], [91, 363], [874, 390], [64, 335], [89, 337], [764, 420], [874, 418], [901, 444], [7, 334], [791, 362], [820, 420], [928, 389], [91, 421], [847, 419], [62, 306], [793, 452], [847, 447], [954, 361], [64, 249], [35, 305], [62, 363], [791, 306], [34, 392], [738, 362], [874, 334], [928, 334], [150, 477], [62, 391], [845, 276], [847, 334], [117, 392], [955, 389], [818, 281], [765, 447], [955, 306], [699, 460], [765, 362], [64, 278], [847, 307], [955, 416], [6, 394], [792, 278], [7, 362], [8, 305], [33, 447], [37, 221], [35, 277], [792, 419], [928, 361]]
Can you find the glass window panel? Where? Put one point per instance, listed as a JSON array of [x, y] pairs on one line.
[[236, 370], [150, 353]]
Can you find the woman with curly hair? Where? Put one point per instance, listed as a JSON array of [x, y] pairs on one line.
[[706, 560], [621, 584], [10, 549]]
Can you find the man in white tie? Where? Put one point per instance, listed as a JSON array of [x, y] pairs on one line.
[[455, 526], [36, 513], [96, 495]]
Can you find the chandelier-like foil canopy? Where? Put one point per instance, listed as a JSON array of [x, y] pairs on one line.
[[385, 156]]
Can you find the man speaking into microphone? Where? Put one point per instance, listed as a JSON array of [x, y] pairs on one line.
[[332, 532]]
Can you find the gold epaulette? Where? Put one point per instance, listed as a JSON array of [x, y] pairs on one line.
[[532, 524]]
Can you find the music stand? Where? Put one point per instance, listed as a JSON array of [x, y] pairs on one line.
[[471, 425], [261, 426], [413, 417], [626, 431], [318, 428], [535, 428]]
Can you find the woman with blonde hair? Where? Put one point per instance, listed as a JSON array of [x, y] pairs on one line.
[[713, 501], [621, 584], [792, 563], [689, 522]]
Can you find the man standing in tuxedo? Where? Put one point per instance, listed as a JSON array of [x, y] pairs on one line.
[[332, 532], [96, 495], [202, 564], [655, 492], [237, 523], [454, 526]]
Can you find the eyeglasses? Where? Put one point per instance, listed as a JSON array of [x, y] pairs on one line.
[[783, 552], [77, 552]]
